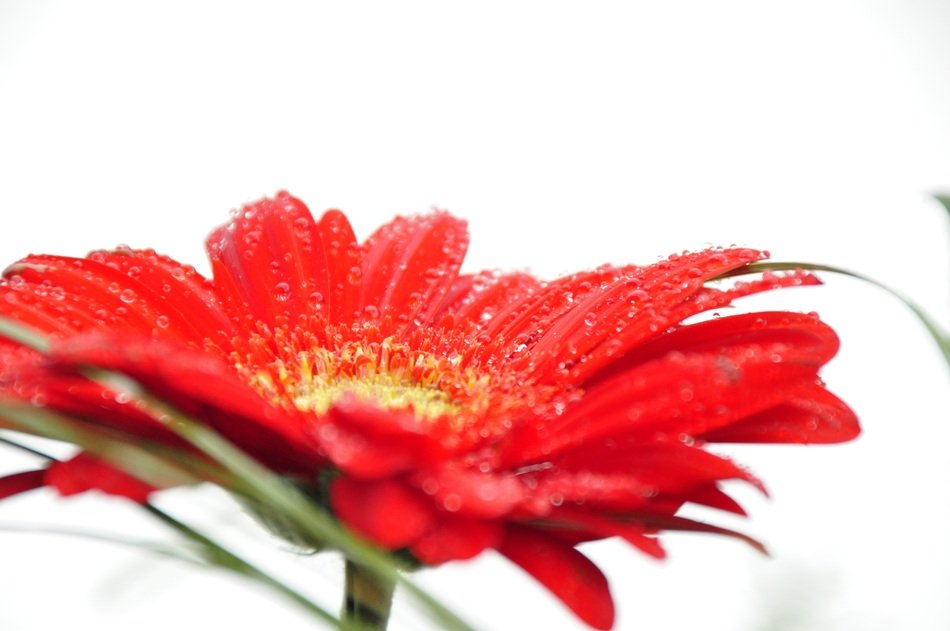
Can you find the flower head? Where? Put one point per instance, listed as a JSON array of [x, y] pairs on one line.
[[444, 413]]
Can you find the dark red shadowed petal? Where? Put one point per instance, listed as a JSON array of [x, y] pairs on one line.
[[598, 527], [456, 539], [386, 512], [714, 497], [370, 442], [472, 493], [659, 466], [202, 386], [27, 376], [813, 416], [273, 263], [84, 473], [22, 482], [564, 571], [409, 266]]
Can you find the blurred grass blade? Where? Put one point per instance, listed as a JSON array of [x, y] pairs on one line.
[[270, 490], [938, 335], [944, 199], [219, 556], [151, 547], [26, 336], [230, 467], [157, 465]]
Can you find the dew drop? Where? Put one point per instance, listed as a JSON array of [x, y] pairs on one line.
[[127, 296], [161, 321], [282, 292], [452, 502], [354, 276]]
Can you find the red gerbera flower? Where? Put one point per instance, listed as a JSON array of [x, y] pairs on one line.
[[445, 413]]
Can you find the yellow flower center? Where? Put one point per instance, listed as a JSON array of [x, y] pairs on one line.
[[387, 374]]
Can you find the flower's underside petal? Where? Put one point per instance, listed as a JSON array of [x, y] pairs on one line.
[[456, 539], [598, 527], [27, 376], [813, 416], [714, 497], [410, 264], [126, 290], [472, 493], [272, 263], [85, 473], [567, 573], [367, 441], [22, 482], [387, 512], [204, 387], [627, 474]]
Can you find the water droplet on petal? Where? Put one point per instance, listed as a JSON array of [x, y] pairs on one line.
[[282, 292]]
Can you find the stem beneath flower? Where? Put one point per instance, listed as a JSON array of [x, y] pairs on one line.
[[368, 598]]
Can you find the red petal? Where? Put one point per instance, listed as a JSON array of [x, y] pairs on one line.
[[472, 493], [456, 539], [675, 395], [814, 416], [564, 571], [659, 466], [205, 388], [367, 441], [476, 301], [124, 290], [272, 263], [636, 305], [386, 512], [342, 254], [795, 337], [22, 482], [410, 264], [182, 295], [632, 532], [84, 473], [653, 320]]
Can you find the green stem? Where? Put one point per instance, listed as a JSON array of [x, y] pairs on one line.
[[368, 598]]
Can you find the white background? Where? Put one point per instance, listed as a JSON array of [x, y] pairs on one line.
[[569, 135]]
